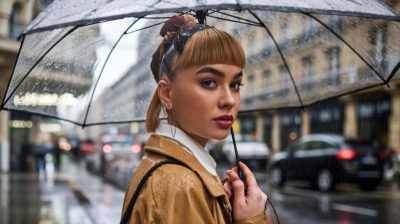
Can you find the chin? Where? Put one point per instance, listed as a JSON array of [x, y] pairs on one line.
[[220, 135]]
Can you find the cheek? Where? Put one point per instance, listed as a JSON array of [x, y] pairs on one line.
[[194, 104]]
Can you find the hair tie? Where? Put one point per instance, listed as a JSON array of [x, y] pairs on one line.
[[182, 37]]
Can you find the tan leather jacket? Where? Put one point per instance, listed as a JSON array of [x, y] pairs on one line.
[[176, 194]]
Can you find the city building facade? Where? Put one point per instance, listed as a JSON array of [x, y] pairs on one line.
[[370, 114], [20, 132], [14, 16]]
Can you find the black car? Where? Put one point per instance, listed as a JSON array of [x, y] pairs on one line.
[[327, 159]]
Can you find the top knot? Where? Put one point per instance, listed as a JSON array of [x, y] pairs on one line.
[[177, 23]]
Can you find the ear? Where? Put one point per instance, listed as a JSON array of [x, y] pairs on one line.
[[164, 93]]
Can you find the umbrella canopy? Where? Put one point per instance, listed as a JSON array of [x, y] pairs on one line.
[[88, 63]]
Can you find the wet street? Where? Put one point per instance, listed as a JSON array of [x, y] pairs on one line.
[[298, 203], [344, 206], [72, 196], [75, 196]]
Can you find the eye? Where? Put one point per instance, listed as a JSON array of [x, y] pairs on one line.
[[236, 85], [210, 84]]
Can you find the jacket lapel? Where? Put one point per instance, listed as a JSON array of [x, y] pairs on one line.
[[171, 148]]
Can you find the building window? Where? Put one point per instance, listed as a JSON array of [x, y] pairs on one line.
[[333, 57], [251, 43], [309, 24], [285, 79], [266, 80], [285, 32], [308, 72], [251, 85], [378, 40], [15, 28]]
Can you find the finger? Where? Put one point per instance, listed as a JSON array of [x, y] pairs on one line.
[[249, 177], [228, 178], [237, 188], [227, 189]]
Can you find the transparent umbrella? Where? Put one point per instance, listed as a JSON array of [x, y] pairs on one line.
[[88, 63]]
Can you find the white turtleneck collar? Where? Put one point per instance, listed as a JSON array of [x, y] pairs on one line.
[[199, 152]]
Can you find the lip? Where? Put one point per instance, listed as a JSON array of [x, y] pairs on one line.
[[224, 121]]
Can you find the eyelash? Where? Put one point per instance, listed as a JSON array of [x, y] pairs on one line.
[[234, 85], [238, 83]]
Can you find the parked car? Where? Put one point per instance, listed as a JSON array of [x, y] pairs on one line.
[[116, 153], [327, 159], [87, 146], [253, 153]]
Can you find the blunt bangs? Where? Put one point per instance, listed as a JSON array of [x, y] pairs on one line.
[[211, 46]]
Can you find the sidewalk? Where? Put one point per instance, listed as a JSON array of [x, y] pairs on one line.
[[72, 196]]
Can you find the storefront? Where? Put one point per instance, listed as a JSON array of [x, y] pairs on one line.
[[327, 117], [20, 125], [267, 134], [290, 127], [248, 125], [373, 119]]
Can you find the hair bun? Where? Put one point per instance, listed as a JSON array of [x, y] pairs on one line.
[[177, 23]]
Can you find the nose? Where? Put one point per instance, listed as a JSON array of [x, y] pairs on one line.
[[227, 99]]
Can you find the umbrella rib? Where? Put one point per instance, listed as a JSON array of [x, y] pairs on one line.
[[151, 25], [71, 121], [115, 122], [395, 69], [235, 21], [133, 31], [236, 17], [313, 103], [282, 56], [37, 62], [42, 114], [348, 45], [102, 69], [9, 81], [156, 17]]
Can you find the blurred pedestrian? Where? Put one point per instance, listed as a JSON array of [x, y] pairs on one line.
[[57, 152], [40, 151], [198, 69]]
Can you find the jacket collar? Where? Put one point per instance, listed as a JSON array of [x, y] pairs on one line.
[[198, 151], [170, 148]]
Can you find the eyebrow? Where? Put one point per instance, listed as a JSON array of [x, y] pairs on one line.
[[217, 72]]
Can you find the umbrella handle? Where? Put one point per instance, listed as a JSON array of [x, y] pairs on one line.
[[241, 176], [236, 154]]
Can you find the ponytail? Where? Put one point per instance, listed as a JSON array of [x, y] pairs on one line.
[[153, 113]]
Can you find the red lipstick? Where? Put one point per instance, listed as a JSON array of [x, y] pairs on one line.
[[224, 121]]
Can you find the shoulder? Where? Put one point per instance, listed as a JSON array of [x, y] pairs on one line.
[[175, 185], [173, 178]]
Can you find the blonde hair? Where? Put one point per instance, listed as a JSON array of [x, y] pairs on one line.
[[208, 46]]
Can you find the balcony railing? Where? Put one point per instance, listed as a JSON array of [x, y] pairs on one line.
[[308, 88]]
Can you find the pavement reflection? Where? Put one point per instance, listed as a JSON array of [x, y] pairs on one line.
[[71, 196]]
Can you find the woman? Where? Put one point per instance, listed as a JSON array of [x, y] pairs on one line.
[[198, 69]]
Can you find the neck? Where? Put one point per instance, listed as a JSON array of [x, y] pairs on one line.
[[200, 140]]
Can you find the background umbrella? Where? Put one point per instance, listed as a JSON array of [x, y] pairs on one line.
[[89, 63]]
